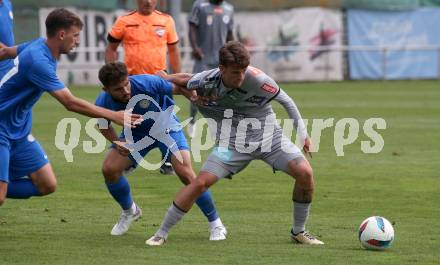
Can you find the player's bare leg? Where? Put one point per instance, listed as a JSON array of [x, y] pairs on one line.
[[41, 182], [205, 202], [44, 179], [112, 169], [302, 197], [3, 191], [181, 205]]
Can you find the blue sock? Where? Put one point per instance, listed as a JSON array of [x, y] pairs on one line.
[[22, 189], [206, 204], [121, 192]]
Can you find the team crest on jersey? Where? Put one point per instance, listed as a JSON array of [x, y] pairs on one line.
[[160, 32], [144, 103], [256, 100], [226, 19], [269, 88], [209, 20]]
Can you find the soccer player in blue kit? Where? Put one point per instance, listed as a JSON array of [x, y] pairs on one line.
[[25, 170], [152, 95], [6, 32]]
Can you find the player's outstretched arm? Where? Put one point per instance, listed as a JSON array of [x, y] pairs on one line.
[[7, 52], [179, 79], [72, 103], [109, 133], [294, 114], [191, 95]]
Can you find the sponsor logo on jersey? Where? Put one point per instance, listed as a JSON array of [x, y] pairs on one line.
[[256, 100], [269, 88], [218, 10], [11, 15]]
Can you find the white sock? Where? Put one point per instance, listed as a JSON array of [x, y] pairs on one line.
[[216, 223], [132, 209]]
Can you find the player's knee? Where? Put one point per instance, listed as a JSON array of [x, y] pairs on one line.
[[305, 178], [48, 188], [201, 185], [109, 172], [186, 174]]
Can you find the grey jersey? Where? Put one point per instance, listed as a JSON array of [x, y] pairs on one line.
[[248, 104], [213, 23]]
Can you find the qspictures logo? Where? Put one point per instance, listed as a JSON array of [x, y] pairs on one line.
[[163, 123]]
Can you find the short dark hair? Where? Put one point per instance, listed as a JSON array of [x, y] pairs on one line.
[[61, 18], [112, 73], [234, 53]]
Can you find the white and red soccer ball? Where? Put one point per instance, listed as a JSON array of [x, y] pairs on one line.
[[376, 233]]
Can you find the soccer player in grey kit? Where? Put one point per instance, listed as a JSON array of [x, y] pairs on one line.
[[237, 91], [211, 25]]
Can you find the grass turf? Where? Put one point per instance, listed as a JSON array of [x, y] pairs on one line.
[[401, 183]]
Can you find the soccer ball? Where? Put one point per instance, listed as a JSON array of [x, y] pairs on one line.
[[376, 233]]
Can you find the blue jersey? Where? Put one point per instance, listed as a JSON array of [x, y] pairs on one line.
[[33, 73], [6, 32], [155, 88]]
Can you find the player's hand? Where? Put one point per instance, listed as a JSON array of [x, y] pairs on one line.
[[127, 118], [122, 148], [197, 53], [191, 95], [3, 53], [307, 146]]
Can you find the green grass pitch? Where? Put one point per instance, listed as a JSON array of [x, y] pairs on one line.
[[401, 183]]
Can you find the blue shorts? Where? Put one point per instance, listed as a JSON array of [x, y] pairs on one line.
[[178, 138], [19, 158]]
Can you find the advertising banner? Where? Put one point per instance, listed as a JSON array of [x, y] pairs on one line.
[[304, 29], [392, 31]]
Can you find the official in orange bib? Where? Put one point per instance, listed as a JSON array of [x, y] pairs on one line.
[[146, 35]]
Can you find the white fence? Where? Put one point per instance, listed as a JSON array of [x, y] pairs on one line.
[[86, 73]]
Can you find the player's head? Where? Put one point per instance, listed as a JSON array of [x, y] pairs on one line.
[[146, 7], [234, 59], [216, 2], [114, 78], [64, 27]]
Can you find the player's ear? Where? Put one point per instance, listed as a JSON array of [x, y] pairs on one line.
[[61, 34], [222, 68]]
